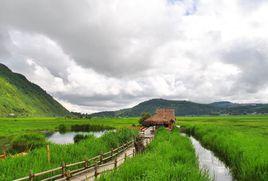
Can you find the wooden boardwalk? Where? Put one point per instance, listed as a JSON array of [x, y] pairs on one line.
[[90, 174], [89, 169]]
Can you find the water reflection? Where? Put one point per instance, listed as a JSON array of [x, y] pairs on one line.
[[68, 137], [210, 163]]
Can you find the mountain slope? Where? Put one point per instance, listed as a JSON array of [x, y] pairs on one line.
[[223, 104], [181, 108], [20, 97], [184, 108]]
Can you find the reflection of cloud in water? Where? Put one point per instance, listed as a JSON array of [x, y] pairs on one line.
[[210, 163], [67, 138]]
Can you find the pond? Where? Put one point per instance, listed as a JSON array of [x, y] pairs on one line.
[[68, 137]]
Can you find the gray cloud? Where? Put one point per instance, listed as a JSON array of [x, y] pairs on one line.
[[96, 55], [4, 41], [91, 31], [252, 59]]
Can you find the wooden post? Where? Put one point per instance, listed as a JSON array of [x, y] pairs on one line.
[[86, 164], [63, 165], [96, 170], [112, 152], [101, 158], [115, 162], [4, 151], [68, 175], [48, 154], [125, 157], [31, 175]]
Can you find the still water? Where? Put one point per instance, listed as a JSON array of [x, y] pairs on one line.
[[210, 163], [68, 137]]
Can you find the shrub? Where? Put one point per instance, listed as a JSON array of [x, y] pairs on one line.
[[27, 141], [80, 137], [144, 116], [62, 128], [89, 127]]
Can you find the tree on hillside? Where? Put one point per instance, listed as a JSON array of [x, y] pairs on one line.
[[144, 116]]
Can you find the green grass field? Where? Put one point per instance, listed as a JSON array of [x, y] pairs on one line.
[[11, 127], [36, 160], [14, 126], [169, 157], [240, 141]]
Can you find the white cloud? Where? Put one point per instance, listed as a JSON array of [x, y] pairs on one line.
[[96, 55]]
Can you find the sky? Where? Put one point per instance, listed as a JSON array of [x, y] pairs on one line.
[[94, 55]]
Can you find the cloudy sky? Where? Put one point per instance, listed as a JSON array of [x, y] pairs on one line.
[[95, 55]]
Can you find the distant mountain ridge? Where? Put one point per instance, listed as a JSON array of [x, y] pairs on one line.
[[187, 108], [18, 96]]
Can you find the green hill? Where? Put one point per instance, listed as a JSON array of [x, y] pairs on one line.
[[20, 97], [187, 108], [181, 108]]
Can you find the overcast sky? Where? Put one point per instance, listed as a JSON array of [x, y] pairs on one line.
[[95, 55]]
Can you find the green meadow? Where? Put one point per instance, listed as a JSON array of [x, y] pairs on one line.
[[168, 157], [36, 160], [240, 141], [13, 127]]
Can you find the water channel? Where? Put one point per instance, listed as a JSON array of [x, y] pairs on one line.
[[210, 163]]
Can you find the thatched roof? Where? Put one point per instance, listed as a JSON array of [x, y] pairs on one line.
[[162, 116]]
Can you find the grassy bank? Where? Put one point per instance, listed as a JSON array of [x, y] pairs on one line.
[[240, 141], [168, 157], [13, 127], [36, 160]]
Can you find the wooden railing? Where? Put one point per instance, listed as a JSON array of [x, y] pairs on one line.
[[110, 165], [3, 156], [66, 171]]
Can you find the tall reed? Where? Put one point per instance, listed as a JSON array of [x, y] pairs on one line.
[[169, 157], [245, 151], [13, 168]]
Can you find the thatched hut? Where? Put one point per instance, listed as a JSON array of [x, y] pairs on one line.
[[162, 117]]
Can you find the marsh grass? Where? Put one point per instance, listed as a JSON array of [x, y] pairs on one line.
[[169, 157], [13, 127], [89, 127], [27, 142], [36, 160], [240, 143]]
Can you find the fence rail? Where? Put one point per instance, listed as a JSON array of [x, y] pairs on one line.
[[65, 171], [2, 156], [93, 172]]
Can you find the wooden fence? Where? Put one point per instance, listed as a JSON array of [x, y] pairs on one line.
[[3, 156], [66, 171]]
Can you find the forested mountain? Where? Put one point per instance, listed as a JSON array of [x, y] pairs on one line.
[[18, 96], [187, 108]]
